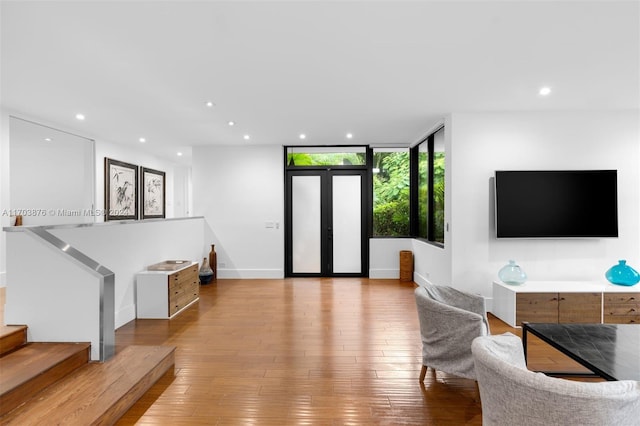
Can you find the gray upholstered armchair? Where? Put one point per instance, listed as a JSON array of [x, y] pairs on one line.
[[513, 395], [449, 321]]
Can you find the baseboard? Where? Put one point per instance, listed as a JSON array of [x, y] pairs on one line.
[[250, 273], [125, 315], [420, 280], [384, 274]]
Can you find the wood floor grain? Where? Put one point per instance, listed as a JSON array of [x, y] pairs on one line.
[[305, 351]]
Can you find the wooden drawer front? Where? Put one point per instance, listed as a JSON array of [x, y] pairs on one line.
[[536, 307], [622, 308], [181, 295], [173, 285], [624, 298], [176, 290], [185, 280], [622, 319], [188, 274], [583, 308], [180, 302]]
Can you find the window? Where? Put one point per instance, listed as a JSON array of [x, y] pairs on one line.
[[326, 156], [391, 184], [429, 166]]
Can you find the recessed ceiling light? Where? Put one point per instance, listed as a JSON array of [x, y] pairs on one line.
[[246, 137], [231, 123], [48, 139], [142, 140], [179, 154], [80, 117], [349, 135], [302, 136], [544, 91], [209, 104]]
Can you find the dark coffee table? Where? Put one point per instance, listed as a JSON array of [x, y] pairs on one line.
[[611, 351]]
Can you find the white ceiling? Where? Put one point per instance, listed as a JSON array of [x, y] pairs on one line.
[[386, 71]]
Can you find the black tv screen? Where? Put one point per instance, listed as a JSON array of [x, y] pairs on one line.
[[556, 204]]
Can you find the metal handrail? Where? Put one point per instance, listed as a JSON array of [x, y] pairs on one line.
[[107, 288]]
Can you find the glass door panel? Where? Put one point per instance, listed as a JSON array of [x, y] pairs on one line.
[[346, 204], [306, 224]]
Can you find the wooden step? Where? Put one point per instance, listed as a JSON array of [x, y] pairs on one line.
[[12, 337], [26, 371], [97, 393]]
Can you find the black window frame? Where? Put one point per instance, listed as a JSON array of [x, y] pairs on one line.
[[415, 219]]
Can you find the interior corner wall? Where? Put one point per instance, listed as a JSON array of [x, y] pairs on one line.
[[240, 192], [484, 142]]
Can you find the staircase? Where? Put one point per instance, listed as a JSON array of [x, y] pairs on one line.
[[55, 383]]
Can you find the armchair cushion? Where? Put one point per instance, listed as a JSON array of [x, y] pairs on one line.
[[511, 394]]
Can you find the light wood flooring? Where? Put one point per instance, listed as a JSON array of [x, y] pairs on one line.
[[305, 352]]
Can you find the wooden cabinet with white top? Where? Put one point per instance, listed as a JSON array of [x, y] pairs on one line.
[[164, 294], [565, 302]]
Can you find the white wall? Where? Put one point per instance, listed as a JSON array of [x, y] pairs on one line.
[[384, 256], [182, 199], [238, 190], [51, 175], [138, 158], [483, 143], [4, 191]]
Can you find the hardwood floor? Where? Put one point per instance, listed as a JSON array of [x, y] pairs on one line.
[[305, 351]]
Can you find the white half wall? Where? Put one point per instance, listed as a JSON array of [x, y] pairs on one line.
[[240, 192], [483, 143], [58, 300], [129, 247]]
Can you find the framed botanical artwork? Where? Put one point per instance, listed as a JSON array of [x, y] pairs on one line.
[[120, 190], [152, 188]]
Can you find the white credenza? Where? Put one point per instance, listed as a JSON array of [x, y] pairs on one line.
[[164, 294], [566, 302]]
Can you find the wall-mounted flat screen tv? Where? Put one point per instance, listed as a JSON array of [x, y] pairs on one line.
[[556, 203]]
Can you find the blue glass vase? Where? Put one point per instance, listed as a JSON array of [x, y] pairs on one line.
[[512, 274], [622, 274]]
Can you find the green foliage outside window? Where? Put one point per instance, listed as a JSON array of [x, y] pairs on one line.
[[326, 159], [391, 194], [438, 196]]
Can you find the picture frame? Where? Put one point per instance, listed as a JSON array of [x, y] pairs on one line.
[[120, 190], [152, 188]]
